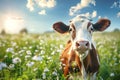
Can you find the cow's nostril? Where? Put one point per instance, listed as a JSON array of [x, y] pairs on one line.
[[87, 44], [77, 44], [82, 44]]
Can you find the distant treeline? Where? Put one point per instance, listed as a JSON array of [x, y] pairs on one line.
[[116, 30], [24, 30]]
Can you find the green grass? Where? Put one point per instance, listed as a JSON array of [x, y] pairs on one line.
[[36, 56]]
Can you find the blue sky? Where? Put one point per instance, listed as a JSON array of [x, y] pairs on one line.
[[39, 15]]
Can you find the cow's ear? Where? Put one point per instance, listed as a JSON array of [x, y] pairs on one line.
[[60, 27], [102, 24]]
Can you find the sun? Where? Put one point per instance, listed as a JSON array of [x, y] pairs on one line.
[[13, 24], [9, 22]]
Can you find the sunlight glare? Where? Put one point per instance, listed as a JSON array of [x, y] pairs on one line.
[[13, 24]]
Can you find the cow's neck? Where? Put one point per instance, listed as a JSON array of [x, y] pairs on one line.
[[87, 61], [91, 62], [83, 56], [83, 67]]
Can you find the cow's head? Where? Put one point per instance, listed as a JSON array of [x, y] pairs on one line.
[[81, 30]]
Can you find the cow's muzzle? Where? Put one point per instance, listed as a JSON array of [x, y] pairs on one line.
[[82, 46]]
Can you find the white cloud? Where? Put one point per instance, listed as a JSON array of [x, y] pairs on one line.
[[30, 5], [99, 17], [42, 12], [88, 15], [46, 3], [116, 4], [94, 14], [41, 3], [81, 5], [106, 17], [118, 14]]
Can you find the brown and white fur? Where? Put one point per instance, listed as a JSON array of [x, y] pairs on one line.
[[80, 58]]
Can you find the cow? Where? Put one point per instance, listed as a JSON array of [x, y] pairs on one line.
[[80, 59]]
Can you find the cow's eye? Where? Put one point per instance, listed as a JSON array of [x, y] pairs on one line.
[[91, 29], [70, 29], [82, 20]]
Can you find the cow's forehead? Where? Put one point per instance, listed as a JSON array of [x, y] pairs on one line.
[[80, 22], [80, 18]]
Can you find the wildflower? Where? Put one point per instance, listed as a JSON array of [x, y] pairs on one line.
[[36, 50], [43, 75], [54, 73], [53, 53], [61, 46], [9, 50], [28, 52], [37, 58], [27, 56], [46, 69], [101, 78], [30, 47], [16, 60], [112, 74], [2, 65], [21, 51], [58, 50], [24, 48], [35, 69], [11, 66], [42, 52], [13, 43], [30, 64], [51, 48], [41, 48], [41, 41], [5, 56], [49, 58]]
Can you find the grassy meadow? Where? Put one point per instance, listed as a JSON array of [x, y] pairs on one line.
[[36, 56]]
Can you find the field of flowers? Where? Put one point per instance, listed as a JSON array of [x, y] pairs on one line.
[[36, 56]]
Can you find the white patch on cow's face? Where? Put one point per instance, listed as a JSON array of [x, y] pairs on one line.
[[81, 30]]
